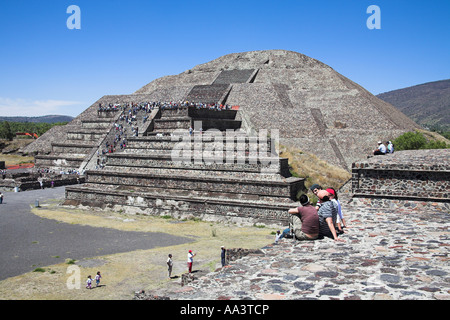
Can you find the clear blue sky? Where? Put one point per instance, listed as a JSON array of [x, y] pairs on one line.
[[123, 45]]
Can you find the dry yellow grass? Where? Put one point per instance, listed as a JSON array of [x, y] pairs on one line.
[[433, 136], [13, 159], [126, 273], [313, 169]]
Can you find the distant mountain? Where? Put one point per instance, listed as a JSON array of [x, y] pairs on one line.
[[42, 119], [427, 104]]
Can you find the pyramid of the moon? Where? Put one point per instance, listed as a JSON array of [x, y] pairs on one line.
[[125, 144], [314, 107]]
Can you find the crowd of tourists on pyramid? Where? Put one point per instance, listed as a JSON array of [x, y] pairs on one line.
[[132, 113], [316, 221], [132, 107]]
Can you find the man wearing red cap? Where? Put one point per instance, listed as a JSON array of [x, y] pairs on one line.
[[327, 216], [340, 222]]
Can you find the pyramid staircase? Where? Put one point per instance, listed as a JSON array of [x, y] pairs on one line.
[[81, 141], [149, 177]]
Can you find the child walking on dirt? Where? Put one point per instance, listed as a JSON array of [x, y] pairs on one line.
[[89, 282], [97, 279]]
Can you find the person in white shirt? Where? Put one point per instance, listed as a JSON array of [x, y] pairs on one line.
[[170, 265], [390, 147], [381, 150], [98, 277], [190, 261], [89, 282]]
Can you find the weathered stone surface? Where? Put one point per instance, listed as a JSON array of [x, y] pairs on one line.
[[418, 175], [306, 100], [338, 274]]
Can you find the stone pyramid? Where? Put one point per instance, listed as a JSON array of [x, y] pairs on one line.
[[314, 108], [308, 104]]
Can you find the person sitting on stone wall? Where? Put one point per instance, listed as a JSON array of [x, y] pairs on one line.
[[328, 212], [304, 221], [315, 188], [381, 150], [390, 147], [340, 221]]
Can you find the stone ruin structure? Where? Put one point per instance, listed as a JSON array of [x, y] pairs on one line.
[[308, 104], [146, 178], [412, 178]]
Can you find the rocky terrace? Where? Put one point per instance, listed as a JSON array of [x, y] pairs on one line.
[[387, 254]]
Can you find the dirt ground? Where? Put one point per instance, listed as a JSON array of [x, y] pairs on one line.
[[126, 273]]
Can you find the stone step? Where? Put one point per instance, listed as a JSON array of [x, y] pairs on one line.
[[234, 76], [86, 135], [194, 141], [97, 123], [208, 94], [72, 161], [205, 165], [212, 113], [287, 187], [217, 124], [76, 147], [171, 123], [169, 131], [197, 173], [190, 194], [169, 113], [173, 118], [179, 206]]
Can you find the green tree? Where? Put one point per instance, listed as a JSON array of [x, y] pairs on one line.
[[415, 141], [6, 132], [410, 141]]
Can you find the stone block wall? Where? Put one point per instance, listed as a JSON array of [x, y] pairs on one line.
[[163, 162], [234, 76], [180, 208], [419, 175], [274, 189]]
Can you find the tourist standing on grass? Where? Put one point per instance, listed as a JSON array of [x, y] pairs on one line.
[[223, 255], [170, 265], [190, 261]]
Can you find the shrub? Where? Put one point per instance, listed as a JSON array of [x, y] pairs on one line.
[[436, 145], [410, 141], [415, 141]]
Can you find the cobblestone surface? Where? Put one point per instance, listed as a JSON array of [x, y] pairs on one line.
[[387, 254]]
